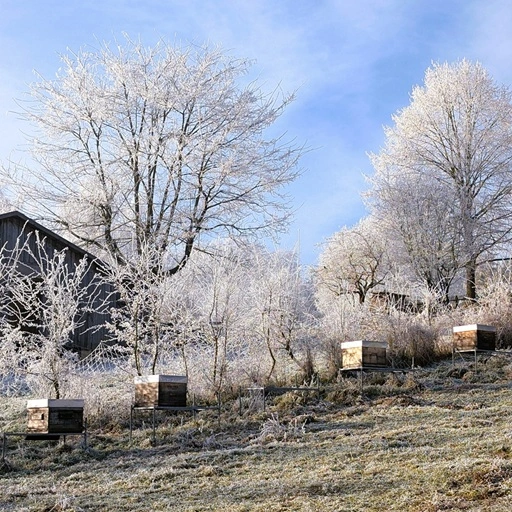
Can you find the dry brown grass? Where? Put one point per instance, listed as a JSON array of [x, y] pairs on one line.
[[440, 439]]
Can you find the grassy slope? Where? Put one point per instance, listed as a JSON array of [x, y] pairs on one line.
[[442, 441]]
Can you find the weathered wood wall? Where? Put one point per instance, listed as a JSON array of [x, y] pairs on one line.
[[16, 228]]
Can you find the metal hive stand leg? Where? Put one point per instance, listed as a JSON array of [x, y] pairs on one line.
[[154, 428], [4, 447], [85, 434], [131, 422]]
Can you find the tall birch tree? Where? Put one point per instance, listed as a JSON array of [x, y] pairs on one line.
[[457, 134]]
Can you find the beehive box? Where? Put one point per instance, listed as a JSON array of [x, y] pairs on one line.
[[364, 353], [474, 337], [50, 416], [161, 391]]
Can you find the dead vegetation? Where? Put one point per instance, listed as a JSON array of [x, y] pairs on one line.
[[430, 440]]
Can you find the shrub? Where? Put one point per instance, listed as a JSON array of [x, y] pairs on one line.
[[410, 342], [275, 430], [495, 304]]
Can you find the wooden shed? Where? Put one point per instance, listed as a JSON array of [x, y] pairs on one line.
[[51, 416], [16, 230], [474, 337], [161, 391], [364, 354]]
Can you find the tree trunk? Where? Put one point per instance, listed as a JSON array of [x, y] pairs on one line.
[[471, 279]]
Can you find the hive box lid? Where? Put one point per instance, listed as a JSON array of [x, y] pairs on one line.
[[474, 327], [145, 379], [364, 343], [52, 402]]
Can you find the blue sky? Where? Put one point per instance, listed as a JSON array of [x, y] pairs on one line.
[[353, 64]]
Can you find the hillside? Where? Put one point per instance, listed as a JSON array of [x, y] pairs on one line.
[[434, 439]]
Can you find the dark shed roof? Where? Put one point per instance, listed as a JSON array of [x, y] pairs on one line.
[[15, 214]]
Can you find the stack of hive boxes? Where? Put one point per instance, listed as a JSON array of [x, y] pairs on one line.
[[474, 337], [364, 354], [161, 391], [51, 416]]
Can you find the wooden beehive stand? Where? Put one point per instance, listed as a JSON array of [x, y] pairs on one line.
[[357, 356], [257, 395], [49, 419], [473, 338], [163, 393]]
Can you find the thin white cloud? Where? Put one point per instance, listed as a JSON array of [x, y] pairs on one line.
[[491, 38]]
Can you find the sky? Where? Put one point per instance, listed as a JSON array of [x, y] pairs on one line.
[[351, 63]]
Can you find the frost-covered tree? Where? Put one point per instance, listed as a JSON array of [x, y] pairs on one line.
[[419, 218], [154, 147], [248, 315], [282, 310], [220, 303], [141, 152], [9, 336], [140, 321], [354, 260], [457, 134]]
